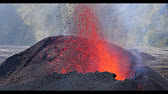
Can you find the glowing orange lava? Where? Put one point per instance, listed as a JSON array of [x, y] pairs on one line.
[[87, 51], [88, 26]]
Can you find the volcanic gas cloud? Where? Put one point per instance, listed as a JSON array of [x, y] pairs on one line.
[[88, 52]]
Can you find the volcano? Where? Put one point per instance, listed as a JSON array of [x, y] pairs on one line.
[[76, 63]]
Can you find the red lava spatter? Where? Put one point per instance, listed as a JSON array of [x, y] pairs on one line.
[[90, 53], [141, 86]]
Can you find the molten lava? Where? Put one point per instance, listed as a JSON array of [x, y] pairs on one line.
[[88, 51], [88, 26]]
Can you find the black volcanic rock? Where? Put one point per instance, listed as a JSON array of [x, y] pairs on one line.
[[15, 67], [40, 68], [148, 80], [70, 81]]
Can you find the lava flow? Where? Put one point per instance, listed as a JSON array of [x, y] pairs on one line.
[[88, 51]]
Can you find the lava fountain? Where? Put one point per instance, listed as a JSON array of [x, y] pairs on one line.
[[88, 51], [88, 26]]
